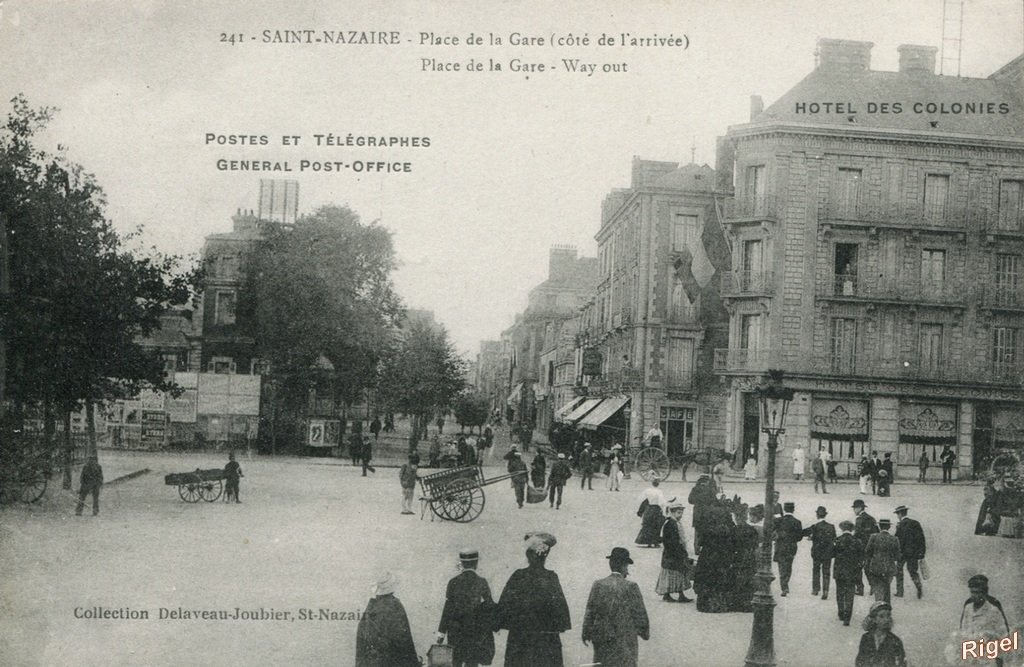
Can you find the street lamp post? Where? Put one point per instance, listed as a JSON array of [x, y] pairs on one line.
[[774, 399]]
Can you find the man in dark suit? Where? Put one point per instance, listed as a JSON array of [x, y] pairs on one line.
[[880, 557], [616, 615], [849, 555], [823, 535], [587, 467], [788, 531], [865, 527], [947, 458], [876, 465], [468, 615], [912, 548]]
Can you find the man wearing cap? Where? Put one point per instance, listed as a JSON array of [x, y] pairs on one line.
[[533, 609], [823, 535], [982, 617], [517, 467], [616, 615], [468, 615], [560, 474], [880, 557], [848, 569], [587, 467], [912, 549], [788, 531], [864, 527]]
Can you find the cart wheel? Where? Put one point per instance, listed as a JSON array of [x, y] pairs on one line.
[[453, 505], [211, 490], [471, 498], [439, 508], [32, 487], [653, 462], [191, 492]]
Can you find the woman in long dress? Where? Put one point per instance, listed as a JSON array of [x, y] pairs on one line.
[[614, 466], [653, 515], [744, 562], [675, 564], [383, 637], [533, 610], [712, 580]]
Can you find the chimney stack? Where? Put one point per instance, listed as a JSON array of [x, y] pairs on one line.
[[756, 106], [917, 59], [843, 55]]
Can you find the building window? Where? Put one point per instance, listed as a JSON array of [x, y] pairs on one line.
[[933, 271], [755, 188], [750, 332], [845, 268], [684, 231], [1011, 205], [844, 345], [1004, 350], [681, 309], [931, 347], [680, 361], [175, 361], [1007, 279], [222, 365], [936, 192], [751, 276], [848, 191], [224, 307]]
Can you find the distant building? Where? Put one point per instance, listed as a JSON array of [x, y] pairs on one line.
[[646, 338], [878, 246]]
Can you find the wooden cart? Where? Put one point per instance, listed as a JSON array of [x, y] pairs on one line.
[[457, 494], [199, 485], [653, 462]]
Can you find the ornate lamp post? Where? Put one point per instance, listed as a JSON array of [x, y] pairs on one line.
[[774, 398]]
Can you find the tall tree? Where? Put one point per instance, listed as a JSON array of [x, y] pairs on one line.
[[319, 292], [79, 299], [471, 409], [423, 375]]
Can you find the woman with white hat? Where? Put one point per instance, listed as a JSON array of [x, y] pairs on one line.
[[675, 559], [383, 638], [614, 466]]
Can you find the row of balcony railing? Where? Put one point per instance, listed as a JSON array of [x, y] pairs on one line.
[[869, 366], [918, 214], [629, 379]]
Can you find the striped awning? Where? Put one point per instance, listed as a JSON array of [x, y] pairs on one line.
[[561, 412], [603, 412], [581, 410]]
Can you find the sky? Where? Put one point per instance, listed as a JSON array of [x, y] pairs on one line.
[[518, 161]]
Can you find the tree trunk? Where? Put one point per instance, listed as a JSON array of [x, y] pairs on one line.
[[90, 427], [67, 451]]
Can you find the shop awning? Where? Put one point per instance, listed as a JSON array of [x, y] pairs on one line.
[[581, 410], [561, 412], [603, 412], [513, 398]]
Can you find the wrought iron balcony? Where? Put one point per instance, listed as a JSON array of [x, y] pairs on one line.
[[898, 214], [851, 286], [747, 208], [747, 283], [1001, 296], [745, 360]]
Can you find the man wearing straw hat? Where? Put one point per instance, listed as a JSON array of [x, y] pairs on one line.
[[616, 615], [468, 615]]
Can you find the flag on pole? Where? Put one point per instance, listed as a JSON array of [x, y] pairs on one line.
[[693, 268]]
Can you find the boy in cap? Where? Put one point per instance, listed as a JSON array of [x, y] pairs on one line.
[[912, 549], [823, 536], [468, 615], [880, 556], [616, 615], [788, 531]]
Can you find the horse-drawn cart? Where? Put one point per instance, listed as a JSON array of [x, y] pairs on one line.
[[199, 485], [654, 462], [457, 494]]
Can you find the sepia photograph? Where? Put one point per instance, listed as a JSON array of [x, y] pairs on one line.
[[534, 334]]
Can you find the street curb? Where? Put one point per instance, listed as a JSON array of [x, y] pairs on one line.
[[131, 475]]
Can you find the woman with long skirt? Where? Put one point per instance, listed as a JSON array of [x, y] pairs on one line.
[[675, 563], [653, 501]]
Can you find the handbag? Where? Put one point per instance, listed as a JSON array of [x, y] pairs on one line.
[[925, 572], [439, 655]]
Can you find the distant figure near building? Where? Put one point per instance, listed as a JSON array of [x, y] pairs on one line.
[[232, 473], [922, 467], [407, 478], [90, 482], [616, 615], [798, 462], [947, 458], [375, 427], [367, 455]]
